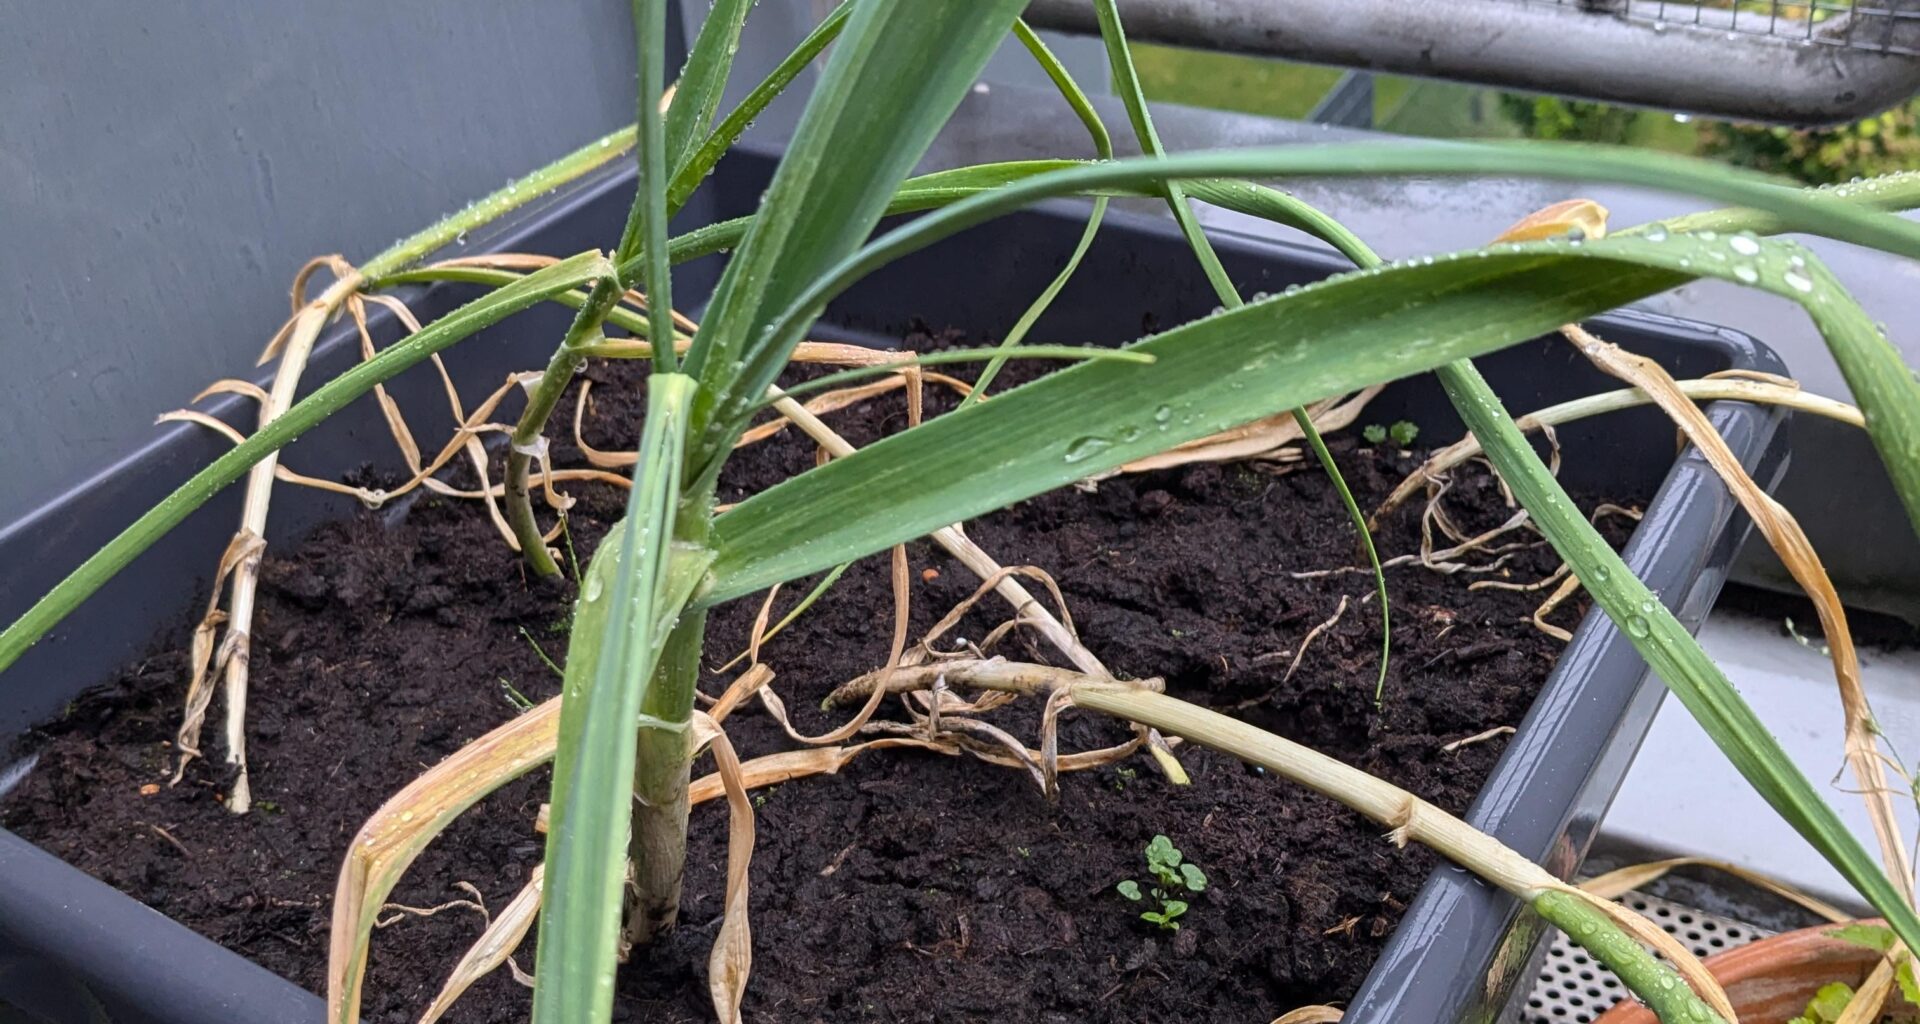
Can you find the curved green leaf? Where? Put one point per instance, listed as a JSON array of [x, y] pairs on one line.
[[1103, 146], [703, 79], [1335, 336], [690, 172], [846, 158]]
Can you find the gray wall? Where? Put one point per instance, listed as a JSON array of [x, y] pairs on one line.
[[164, 169]]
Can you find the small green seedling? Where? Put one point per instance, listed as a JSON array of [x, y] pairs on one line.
[[1827, 1004], [1878, 938], [1174, 877], [1402, 433]]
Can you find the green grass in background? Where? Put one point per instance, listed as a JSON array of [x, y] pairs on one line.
[[1231, 81], [1433, 109]]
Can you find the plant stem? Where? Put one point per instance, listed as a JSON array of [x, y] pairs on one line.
[[631, 601], [663, 756], [661, 770], [1651, 980], [646, 226], [304, 331], [566, 361]]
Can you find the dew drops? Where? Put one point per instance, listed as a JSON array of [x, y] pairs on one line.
[[1657, 233], [593, 587], [1162, 416], [1084, 448], [1130, 434], [1600, 574], [1797, 281], [1637, 626], [1744, 245], [1746, 273]]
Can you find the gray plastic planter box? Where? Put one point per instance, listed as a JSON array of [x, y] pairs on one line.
[[71, 949]]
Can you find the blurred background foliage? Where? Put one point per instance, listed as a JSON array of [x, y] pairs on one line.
[[1411, 106]]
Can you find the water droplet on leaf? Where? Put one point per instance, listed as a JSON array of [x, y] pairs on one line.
[[1087, 447]]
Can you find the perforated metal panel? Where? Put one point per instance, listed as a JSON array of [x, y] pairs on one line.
[[1572, 989], [1879, 26]]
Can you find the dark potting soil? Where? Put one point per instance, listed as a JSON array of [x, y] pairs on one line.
[[911, 886]]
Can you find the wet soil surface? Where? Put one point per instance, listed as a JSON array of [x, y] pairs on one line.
[[911, 886]]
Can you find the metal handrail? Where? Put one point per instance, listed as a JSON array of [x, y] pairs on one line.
[[1814, 62]]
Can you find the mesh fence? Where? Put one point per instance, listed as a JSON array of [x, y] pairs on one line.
[[1879, 26]]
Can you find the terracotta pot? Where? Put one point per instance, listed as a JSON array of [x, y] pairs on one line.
[[1772, 980]]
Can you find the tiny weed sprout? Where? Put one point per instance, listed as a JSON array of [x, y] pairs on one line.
[[1174, 880], [1827, 1006], [1880, 939], [1402, 433]]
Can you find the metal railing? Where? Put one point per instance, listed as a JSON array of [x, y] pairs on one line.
[[1807, 62]]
